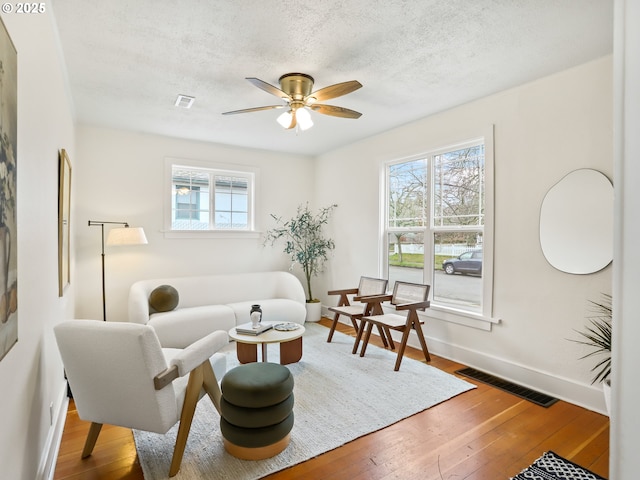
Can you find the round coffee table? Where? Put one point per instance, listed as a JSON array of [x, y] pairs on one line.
[[290, 345]]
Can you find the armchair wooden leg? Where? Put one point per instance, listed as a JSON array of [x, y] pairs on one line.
[[367, 335], [423, 342], [360, 331], [333, 327], [196, 380], [401, 349], [92, 437], [354, 323], [211, 385], [392, 345], [383, 337]]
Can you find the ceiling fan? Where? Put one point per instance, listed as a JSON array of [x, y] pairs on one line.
[[296, 90]]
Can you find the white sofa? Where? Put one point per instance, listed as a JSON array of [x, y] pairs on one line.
[[217, 302]]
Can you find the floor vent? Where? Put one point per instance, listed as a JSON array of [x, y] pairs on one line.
[[522, 392]]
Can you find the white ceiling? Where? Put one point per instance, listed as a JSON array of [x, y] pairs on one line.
[[128, 60]]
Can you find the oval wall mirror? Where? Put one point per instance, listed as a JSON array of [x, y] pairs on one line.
[[576, 222]]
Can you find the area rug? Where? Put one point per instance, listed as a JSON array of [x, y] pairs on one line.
[[338, 398], [552, 466]]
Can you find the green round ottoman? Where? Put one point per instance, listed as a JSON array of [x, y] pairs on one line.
[[256, 410]]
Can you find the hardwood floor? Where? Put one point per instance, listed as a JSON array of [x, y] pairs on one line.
[[484, 434]]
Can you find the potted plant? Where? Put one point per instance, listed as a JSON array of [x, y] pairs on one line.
[[307, 246], [597, 335]]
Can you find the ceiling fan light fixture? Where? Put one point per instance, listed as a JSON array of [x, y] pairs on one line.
[[284, 119], [304, 119], [296, 90]]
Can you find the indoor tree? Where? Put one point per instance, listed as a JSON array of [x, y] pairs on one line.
[[305, 241]]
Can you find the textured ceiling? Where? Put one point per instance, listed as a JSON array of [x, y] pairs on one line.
[[128, 60]]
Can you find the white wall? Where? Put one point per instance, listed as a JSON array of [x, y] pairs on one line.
[[120, 178], [31, 373], [543, 130], [624, 462]]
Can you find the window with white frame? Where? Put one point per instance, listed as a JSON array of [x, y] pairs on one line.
[[434, 226], [211, 199]]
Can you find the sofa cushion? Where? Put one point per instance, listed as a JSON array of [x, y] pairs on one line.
[[164, 298], [183, 326], [274, 310]]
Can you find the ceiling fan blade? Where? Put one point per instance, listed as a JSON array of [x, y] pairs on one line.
[[267, 87], [254, 109], [335, 111], [337, 90]]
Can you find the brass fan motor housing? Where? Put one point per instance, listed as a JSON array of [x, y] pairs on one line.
[[296, 85]]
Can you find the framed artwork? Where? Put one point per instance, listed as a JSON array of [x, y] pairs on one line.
[[64, 222], [8, 195]]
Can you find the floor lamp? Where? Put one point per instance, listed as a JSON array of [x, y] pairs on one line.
[[124, 235]]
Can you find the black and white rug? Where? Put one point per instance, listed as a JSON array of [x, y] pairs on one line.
[[552, 466]]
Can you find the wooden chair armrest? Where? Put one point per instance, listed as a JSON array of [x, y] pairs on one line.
[[165, 377], [344, 291], [413, 305], [374, 298], [374, 303]]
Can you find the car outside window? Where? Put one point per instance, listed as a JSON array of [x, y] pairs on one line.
[[435, 225]]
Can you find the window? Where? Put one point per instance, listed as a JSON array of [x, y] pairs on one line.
[[434, 225], [210, 199]]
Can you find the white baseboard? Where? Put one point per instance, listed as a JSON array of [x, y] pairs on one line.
[[47, 466], [584, 395]]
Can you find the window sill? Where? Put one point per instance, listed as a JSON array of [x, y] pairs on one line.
[[211, 234], [461, 317]]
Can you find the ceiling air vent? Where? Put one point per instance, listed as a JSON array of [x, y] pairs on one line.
[[184, 101]]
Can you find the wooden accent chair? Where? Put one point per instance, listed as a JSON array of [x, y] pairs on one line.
[[406, 296], [119, 374], [368, 286]]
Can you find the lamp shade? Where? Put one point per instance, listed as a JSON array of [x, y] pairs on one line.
[[127, 236], [285, 119], [304, 118]]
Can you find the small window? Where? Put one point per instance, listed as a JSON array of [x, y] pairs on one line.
[[211, 199]]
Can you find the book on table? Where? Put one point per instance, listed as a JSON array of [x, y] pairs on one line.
[[247, 328]]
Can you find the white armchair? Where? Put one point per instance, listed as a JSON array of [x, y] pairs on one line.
[[120, 375]]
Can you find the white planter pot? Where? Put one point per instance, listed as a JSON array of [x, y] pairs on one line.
[[314, 311], [606, 388]]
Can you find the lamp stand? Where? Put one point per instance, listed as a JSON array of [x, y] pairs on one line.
[[104, 295]]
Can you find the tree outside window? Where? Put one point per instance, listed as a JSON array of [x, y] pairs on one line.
[[435, 213]]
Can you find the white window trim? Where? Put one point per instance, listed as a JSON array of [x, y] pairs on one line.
[[484, 320], [168, 232]]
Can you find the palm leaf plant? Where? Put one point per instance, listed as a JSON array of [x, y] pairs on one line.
[[305, 241], [597, 335]]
